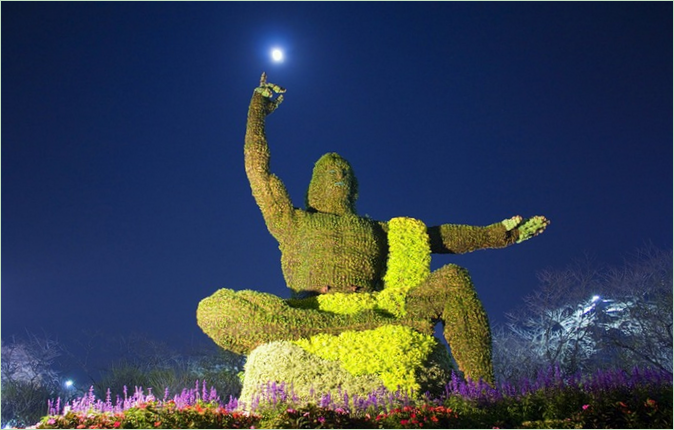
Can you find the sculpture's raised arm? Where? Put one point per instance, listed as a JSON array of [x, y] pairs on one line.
[[459, 239], [269, 192]]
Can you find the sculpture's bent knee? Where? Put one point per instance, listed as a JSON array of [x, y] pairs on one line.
[[239, 321]]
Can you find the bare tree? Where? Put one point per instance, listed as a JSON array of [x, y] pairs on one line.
[[28, 378], [587, 317], [643, 295], [513, 358], [555, 323]]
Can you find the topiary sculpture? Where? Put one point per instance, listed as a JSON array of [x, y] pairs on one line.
[[355, 279]]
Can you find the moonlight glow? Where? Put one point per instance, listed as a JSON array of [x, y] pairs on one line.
[[277, 55]]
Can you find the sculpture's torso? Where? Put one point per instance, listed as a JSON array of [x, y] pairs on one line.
[[344, 253]]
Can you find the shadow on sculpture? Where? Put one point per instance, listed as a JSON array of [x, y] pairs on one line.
[[364, 302]]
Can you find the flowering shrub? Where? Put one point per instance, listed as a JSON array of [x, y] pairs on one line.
[[313, 417], [154, 415], [198, 407], [607, 399], [554, 401], [425, 416]]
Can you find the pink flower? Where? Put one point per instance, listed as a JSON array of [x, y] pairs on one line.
[[321, 420], [585, 407], [116, 424]]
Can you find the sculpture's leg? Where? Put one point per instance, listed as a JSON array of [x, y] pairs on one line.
[[448, 295], [240, 321]]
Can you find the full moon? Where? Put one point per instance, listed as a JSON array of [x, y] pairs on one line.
[[277, 55]]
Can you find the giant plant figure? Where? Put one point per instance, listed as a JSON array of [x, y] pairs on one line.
[[332, 259]]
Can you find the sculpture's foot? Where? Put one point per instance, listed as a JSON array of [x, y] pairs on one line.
[[241, 321]]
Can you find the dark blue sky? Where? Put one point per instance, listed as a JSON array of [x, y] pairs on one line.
[[124, 196]]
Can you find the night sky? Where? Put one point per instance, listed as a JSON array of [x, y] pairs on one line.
[[124, 196]]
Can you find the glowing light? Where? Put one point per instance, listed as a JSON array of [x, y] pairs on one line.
[[595, 298], [277, 55], [69, 383]]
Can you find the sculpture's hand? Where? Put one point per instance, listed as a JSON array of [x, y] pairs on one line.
[[527, 228], [268, 90]]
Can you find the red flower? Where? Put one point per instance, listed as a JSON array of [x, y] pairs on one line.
[[157, 423], [116, 424], [403, 422]]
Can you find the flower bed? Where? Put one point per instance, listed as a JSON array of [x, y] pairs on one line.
[[612, 399]]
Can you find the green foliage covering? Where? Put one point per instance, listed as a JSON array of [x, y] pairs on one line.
[[286, 362], [333, 187], [448, 294], [241, 321], [340, 303], [409, 259], [350, 273], [393, 352], [326, 248], [408, 265], [327, 253]]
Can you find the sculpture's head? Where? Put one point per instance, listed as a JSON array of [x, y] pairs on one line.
[[333, 187]]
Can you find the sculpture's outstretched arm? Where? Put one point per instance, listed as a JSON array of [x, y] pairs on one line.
[[459, 239], [269, 192]]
